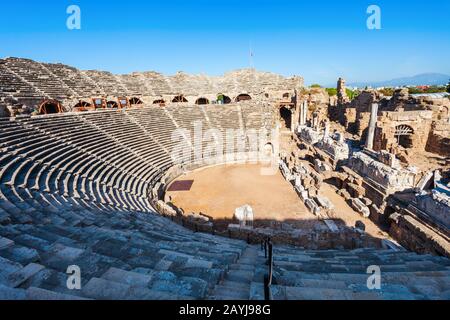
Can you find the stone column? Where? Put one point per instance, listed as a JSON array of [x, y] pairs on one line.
[[305, 112], [372, 125], [326, 132], [302, 114]]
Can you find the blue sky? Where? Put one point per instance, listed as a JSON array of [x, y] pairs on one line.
[[319, 40]]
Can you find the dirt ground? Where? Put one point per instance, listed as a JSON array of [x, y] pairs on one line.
[[218, 191], [346, 213]]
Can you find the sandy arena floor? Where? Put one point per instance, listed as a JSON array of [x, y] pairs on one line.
[[218, 191]]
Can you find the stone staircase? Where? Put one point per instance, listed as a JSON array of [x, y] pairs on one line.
[[237, 282]]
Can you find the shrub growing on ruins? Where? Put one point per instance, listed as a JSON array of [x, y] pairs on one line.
[[331, 91]]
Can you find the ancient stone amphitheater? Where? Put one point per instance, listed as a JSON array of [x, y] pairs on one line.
[[83, 188]]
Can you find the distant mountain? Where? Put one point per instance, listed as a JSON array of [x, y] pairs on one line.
[[418, 80]]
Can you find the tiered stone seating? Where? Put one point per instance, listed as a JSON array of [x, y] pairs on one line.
[[108, 82], [154, 161], [64, 155], [158, 83], [135, 84], [74, 190], [121, 255], [40, 77], [12, 85], [342, 275], [150, 119], [187, 117], [74, 79]]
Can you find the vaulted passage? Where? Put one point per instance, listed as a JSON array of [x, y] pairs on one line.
[[179, 98], [201, 101], [99, 103], [223, 99], [50, 107], [135, 100], [404, 135], [243, 97], [160, 102], [82, 105], [112, 104]]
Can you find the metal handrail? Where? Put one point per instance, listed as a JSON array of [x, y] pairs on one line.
[[268, 278]]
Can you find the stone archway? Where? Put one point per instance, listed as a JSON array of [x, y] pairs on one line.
[[161, 102], [404, 134], [135, 100], [223, 99], [202, 101], [83, 106], [243, 97], [179, 99], [112, 105], [50, 107]]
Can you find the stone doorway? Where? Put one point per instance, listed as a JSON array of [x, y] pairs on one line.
[[286, 117]]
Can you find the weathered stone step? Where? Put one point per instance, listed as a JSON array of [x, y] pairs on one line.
[[33, 293], [244, 276]]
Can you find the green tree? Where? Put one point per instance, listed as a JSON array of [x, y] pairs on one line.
[[351, 93], [331, 91], [316, 85], [388, 92], [448, 87]]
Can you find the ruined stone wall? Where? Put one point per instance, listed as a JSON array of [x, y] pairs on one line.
[[439, 139], [415, 236], [392, 179], [419, 121]]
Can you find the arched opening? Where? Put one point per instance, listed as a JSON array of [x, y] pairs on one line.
[[50, 107], [286, 116], [161, 102], [112, 105], [243, 97], [403, 134], [179, 98], [99, 103], [135, 100], [266, 95], [286, 95], [83, 106], [201, 101], [123, 102], [223, 99]]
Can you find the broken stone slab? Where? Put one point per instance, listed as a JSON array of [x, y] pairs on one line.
[[312, 206], [324, 202], [37, 294], [127, 277], [5, 243], [163, 265], [331, 225], [7, 293], [17, 278], [359, 206], [344, 193], [66, 253], [102, 289], [196, 263]]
